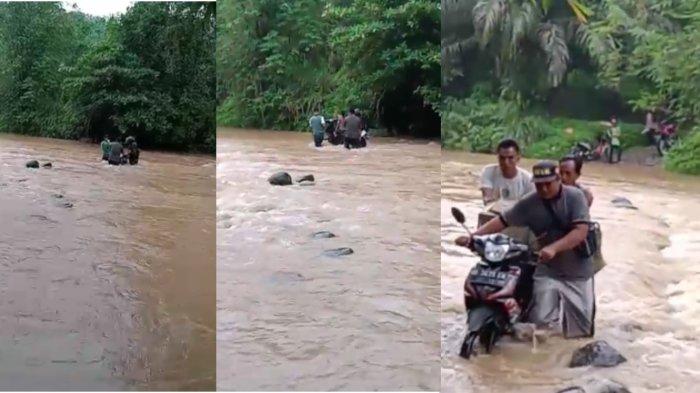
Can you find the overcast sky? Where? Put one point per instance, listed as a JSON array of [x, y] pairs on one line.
[[103, 7], [100, 7]]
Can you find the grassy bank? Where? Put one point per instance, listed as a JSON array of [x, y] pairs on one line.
[[540, 137], [562, 133], [685, 156], [552, 138]]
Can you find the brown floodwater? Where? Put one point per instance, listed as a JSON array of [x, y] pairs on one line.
[[290, 318], [106, 273], [648, 296]]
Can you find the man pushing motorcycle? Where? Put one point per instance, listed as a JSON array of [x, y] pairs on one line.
[[563, 294]]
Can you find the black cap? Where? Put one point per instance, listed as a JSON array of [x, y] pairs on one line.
[[544, 171]]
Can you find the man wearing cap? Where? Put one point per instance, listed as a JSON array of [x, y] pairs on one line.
[[563, 296]]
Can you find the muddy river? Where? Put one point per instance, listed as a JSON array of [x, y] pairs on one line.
[[106, 273], [648, 296], [365, 321]]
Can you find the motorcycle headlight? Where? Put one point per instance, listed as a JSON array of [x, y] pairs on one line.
[[495, 252]]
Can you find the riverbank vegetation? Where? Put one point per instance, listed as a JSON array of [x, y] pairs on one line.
[[548, 72], [149, 72], [279, 61]]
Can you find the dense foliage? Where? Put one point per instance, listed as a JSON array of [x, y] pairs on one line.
[[577, 59], [684, 158], [278, 61], [149, 73]]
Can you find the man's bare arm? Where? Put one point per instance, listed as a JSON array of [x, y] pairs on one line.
[[492, 226], [571, 240], [488, 195]]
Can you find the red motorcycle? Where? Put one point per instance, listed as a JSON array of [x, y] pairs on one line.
[[665, 138], [590, 153]]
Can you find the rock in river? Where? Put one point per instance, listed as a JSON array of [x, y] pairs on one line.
[[337, 252], [280, 179], [623, 203], [598, 354], [47, 165], [595, 385], [32, 164], [323, 235], [306, 178]]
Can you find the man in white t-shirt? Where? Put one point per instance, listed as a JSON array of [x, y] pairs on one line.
[[505, 182]]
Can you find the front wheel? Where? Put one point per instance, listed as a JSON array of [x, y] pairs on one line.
[[469, 345], [488, 339], [663, 146]]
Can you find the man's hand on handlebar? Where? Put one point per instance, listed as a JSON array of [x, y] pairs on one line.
[[465, 241], [546, 254]]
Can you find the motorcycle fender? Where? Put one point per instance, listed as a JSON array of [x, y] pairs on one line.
[[484, 314]]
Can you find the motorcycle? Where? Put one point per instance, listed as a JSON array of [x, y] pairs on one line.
[[498, 289], [363, 138], [665, 138], [334, 136], [585, 151], [662, 138]]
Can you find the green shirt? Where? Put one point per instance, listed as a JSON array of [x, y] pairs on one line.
[[316, 123], [614, 135], [105, 147]]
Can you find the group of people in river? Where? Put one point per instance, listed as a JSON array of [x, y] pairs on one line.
[[551, 208], [116, 153], [349, 130]]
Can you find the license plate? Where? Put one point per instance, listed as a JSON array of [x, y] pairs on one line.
[[484, 276]]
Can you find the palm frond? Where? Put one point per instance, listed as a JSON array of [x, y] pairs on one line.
[[553, 43], [580, 10], [524, 21], [488, 15], [458, 46]]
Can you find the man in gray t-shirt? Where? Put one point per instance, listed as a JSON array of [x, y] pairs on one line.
[[115, 153], [563, 296], [353, 127]]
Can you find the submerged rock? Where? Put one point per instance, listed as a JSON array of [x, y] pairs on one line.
[[283, 277], [337, 252], [280, 179], [306, 178], [323, 235], [594, 385], [598, 354], [573, 389], [623, 203], [32, 164], [67, 204], [47, 165], [58, 196]]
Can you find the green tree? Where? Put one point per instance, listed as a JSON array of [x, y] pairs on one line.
[[279, 61], [37, 43], [149, 73]]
